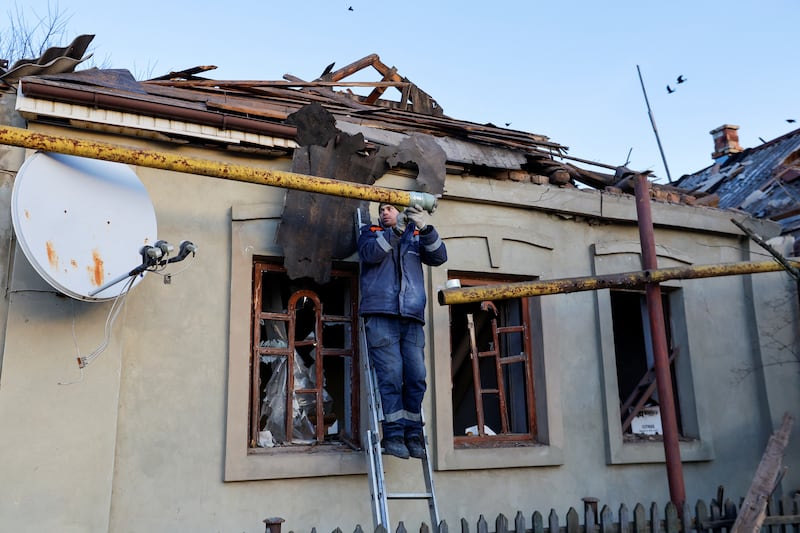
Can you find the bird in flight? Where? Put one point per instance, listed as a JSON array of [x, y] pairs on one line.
[[681, 79], [791, 120], [670, 90], [350, 8]]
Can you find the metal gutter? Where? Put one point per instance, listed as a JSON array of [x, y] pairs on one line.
[[31, 88]]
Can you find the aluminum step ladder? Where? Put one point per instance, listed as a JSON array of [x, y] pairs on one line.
[[371, 442]]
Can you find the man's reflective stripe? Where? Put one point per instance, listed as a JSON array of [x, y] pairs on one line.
[[383, 243], [433, 246], [402, 414]]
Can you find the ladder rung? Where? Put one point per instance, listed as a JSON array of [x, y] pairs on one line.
[[409, 495]]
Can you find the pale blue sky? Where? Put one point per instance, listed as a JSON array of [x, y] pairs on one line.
[[564, 69]]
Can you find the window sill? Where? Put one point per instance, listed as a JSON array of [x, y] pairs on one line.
[[506, 457], [652, 451], [294, 462]]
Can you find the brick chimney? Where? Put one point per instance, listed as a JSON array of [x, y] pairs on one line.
[[726, 141]]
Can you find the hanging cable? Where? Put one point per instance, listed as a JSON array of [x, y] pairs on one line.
[[77, 348], [116, 307]]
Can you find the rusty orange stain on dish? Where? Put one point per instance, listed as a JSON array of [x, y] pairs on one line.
[[52, 256], [96, 270], [73, 263], [27, 214]]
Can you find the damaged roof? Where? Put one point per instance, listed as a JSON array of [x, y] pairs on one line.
[[263, 108], [763, 181]]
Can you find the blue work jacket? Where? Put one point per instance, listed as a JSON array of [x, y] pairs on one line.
[[391, 269]]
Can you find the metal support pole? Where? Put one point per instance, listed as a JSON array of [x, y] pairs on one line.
[[655, 311], [215, 169], [625, 280]]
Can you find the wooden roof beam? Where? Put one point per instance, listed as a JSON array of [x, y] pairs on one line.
[[353, 67]]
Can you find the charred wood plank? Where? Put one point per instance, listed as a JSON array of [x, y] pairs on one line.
[[316, 228]]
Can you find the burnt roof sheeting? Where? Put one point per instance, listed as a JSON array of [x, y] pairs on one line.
[[761, 180]]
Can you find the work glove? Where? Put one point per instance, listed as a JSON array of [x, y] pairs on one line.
[[416, 215], [401, 222]]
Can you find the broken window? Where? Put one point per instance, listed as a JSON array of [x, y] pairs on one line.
[[304, 378], [492, 369], [633, 347]]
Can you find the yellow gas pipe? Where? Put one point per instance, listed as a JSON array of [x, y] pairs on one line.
[[167, 161], [627, 280]]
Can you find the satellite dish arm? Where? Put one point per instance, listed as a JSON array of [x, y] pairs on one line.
[[135, 272], [151, 257]]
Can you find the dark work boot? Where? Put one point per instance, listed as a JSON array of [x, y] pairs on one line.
[[395, 446], [416, 448]]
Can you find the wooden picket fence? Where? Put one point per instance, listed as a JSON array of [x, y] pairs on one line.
[[783, 516]]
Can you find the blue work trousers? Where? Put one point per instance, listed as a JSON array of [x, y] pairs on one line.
[[397, 353]]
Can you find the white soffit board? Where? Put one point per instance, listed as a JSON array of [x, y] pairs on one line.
[[28, 106], [81, 222]]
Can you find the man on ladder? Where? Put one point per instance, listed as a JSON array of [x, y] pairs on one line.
[[393, 308]]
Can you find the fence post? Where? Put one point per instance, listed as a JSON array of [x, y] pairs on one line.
[[537, 522], [590, 503], [655, 519], [671, 522], [552, 521], [574, 522], [501, 524], [483, 526], [700, 516], [519, 523], [624, 519], [607, 521], [639, 519], [273, 525]]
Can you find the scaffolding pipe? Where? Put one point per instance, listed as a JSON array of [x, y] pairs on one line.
[[204, 167], [625, 280], [658, 331]]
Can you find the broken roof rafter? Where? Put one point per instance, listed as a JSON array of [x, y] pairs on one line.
[[247, 84], [421, 102], [186, 74]]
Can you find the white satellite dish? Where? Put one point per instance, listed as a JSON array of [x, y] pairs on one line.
[[81, 222]]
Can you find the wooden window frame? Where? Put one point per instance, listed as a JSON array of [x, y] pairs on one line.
[[349, 433], [252, 238], [644, 391], [504, 437]]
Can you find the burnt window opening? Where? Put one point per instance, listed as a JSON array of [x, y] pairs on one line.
[[303, 341], [633, 347], [493, 341]]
